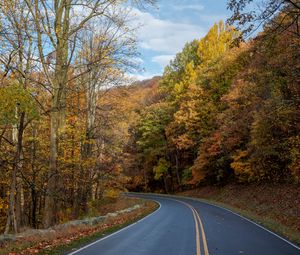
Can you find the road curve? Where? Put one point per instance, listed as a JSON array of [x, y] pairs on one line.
[[189, 227]]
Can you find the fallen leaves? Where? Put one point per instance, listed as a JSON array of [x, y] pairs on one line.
[[66, 236]]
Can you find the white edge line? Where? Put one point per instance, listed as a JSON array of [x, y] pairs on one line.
[[258, 225], [220, 207], [115, 233]]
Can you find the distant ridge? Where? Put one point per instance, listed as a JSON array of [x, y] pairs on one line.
[[148, 82]]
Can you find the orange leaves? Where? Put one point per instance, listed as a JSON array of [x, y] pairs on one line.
[[183, 142], [242, 167], [215, 146], [205, 164]]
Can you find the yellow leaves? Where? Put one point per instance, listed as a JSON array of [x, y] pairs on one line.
[[294, 166], [184, 142], [179, 88], [217, 41], [240, 165], [190, 73], [2, 204], [187, 81], [111, 193], [161, 169]]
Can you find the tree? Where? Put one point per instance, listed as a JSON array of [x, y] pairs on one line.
[[61, 28], [41, 42], [279, 15], [161, 171], [216, 42], [174, 72], [16, 103], [16, 59], [106, 55]]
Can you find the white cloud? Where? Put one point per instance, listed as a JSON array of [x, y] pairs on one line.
[[164, 35], [142, 76], [138, 60], [195, 7], [162, 60]]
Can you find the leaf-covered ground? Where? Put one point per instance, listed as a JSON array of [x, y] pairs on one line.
[[64, 240]]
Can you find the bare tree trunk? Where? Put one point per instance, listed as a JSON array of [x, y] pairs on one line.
[[33, 191], [50, 213], [85, 187], [20, 197], [33, 207], [18, 138], [177, 170], [11, 217], [57, 118], [166, 183]]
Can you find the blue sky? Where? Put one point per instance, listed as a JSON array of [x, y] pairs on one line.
[[167, 28]]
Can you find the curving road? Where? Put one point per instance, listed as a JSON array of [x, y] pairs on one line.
[[189, 227]]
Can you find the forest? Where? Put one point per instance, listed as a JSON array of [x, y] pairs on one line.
[[73, 128], [222, 113]]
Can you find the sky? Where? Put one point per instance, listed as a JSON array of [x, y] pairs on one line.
[[167, 27]]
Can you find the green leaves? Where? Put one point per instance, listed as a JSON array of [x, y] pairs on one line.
[[151, 129], [233, 112], [14, 100], [161, 169], [193, 85]]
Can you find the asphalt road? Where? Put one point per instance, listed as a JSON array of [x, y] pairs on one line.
[[189, 227]]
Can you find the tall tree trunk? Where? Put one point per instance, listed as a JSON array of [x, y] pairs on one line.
[[85, 186], [177, 169], [12, 220], [33, 207], [33, 191], [20, 197], [50, 213], [57, 118], [166, 183]]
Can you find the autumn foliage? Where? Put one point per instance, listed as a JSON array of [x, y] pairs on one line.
[[225, 113], [72, 131]]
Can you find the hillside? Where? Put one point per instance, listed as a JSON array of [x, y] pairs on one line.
[[221, 115], [222, 122]]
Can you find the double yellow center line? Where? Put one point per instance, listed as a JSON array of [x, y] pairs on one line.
[[199, 228], [205, 247]]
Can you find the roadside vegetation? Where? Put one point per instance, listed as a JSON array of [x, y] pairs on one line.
[[225, 117], [60, 239], [222, 114], [73, 132], [58, 152]]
